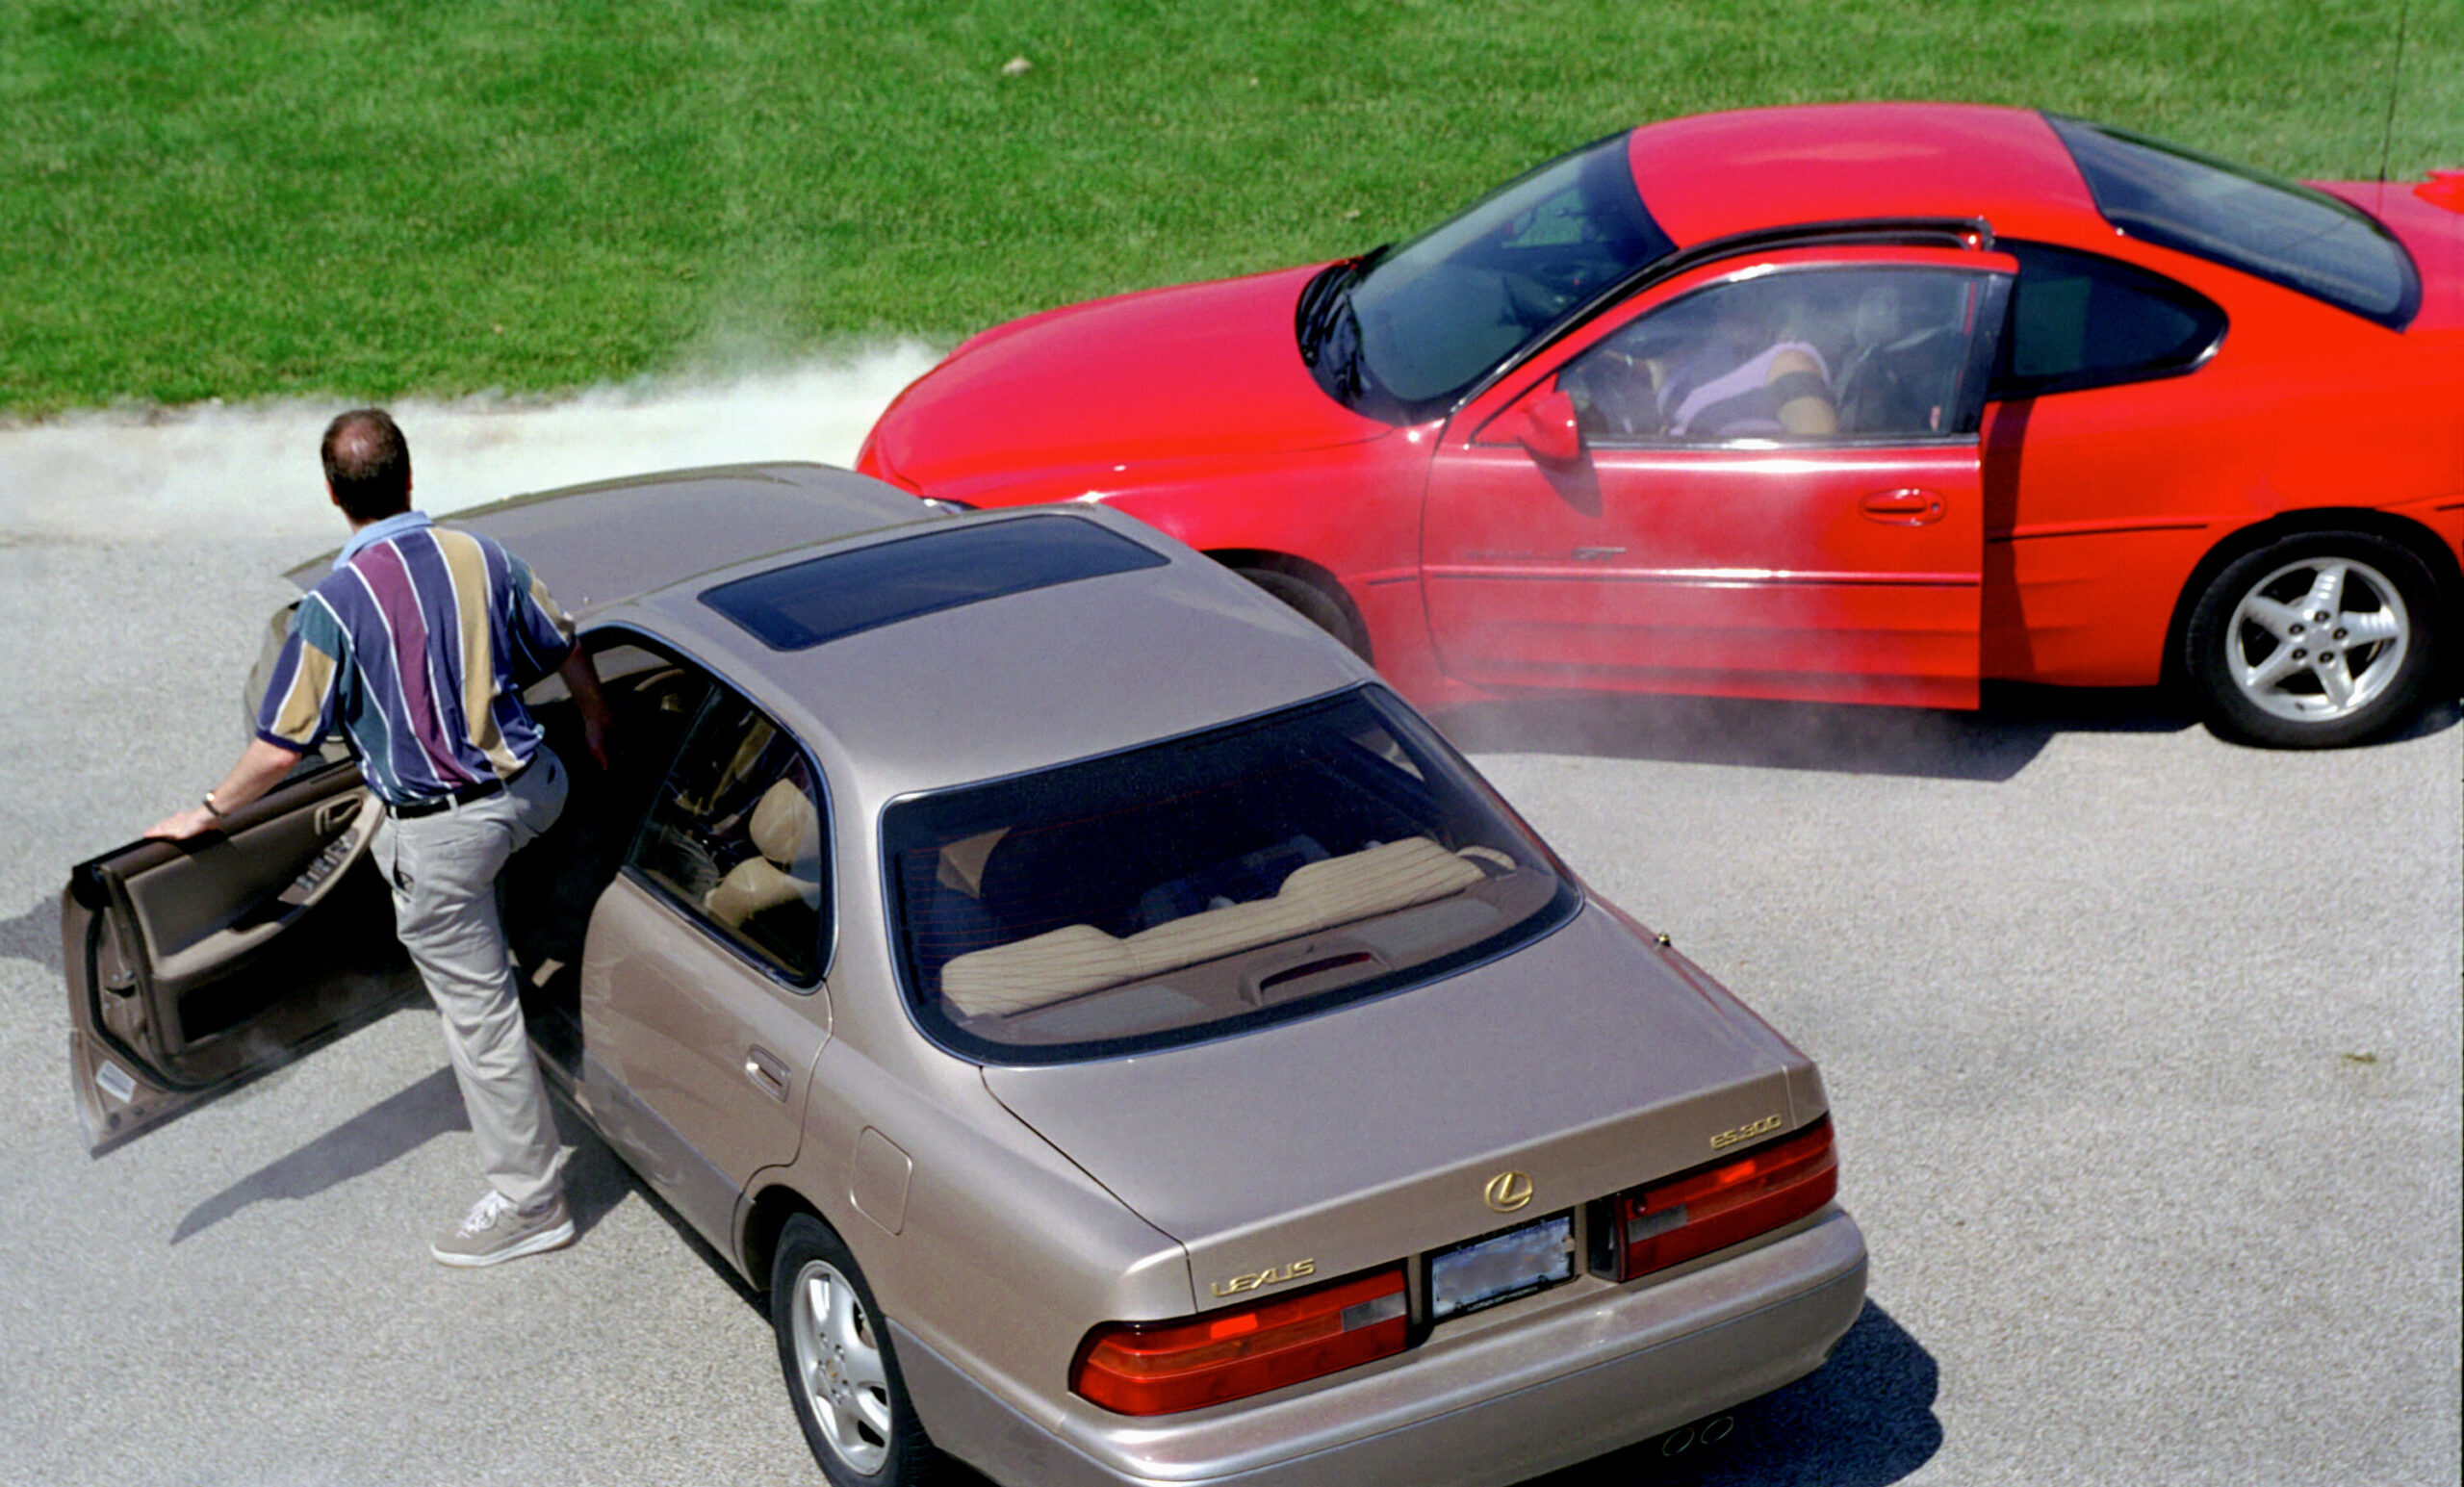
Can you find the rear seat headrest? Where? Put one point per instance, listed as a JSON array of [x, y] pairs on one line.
[[786, 828]]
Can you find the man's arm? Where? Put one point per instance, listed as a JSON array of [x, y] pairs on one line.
[[539, 627], [1805, 408], [260, 767], [582, 679]]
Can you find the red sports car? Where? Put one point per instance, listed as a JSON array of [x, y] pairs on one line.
[[1853, 402]]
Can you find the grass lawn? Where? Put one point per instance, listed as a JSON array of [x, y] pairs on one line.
[[217, 198]]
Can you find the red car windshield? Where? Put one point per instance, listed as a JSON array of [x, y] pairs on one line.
[[1404, 332], [1204, 886]]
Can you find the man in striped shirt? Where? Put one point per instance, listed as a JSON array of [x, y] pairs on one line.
[[417, 647]]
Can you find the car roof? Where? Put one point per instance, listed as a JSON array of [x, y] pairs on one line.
[[1713, 174], [600, 543], [1016, 682]]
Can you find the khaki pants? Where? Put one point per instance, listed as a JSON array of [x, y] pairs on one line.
[[443, 868]]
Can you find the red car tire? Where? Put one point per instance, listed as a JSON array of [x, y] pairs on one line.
[[2316, 640], [1315, 604]]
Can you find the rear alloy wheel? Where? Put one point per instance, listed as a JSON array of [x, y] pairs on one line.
[[2314, 641], [840, 1372], [1315, 604]]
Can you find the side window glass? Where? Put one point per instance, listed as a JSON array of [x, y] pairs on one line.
[[736, 835], [1833, 355], [2078, 320]]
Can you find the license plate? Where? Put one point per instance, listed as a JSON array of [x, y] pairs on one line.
[[1499, 1269]]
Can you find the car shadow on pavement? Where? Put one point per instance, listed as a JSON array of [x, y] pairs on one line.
[[597, 1179], [1862, 1420], [1992, 744]]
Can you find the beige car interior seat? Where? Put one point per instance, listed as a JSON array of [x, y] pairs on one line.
[[787, 830], [748, 753], [963, 861], [1080, 957]]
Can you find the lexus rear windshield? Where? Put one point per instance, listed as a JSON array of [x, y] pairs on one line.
[[1404, 332], [1206, 885], [2291, 235]]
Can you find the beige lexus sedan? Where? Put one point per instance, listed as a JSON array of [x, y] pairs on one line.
[[1127, 1043]]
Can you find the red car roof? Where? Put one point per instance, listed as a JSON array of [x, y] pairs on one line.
[[1714, 174]]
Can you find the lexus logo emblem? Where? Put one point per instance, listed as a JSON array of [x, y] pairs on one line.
[[1507, 1191]]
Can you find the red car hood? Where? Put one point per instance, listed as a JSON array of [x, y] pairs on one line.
[[1193, 370]]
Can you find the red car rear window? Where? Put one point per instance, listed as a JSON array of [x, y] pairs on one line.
[[2287, 234]]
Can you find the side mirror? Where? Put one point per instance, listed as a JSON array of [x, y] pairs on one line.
[[1547, 427]]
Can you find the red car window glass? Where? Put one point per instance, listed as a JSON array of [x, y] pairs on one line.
[[2287, 234], [2081, 321], [1816, 355], [1429, 318]]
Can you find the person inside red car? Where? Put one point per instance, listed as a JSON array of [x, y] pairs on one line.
[[1733, 362]]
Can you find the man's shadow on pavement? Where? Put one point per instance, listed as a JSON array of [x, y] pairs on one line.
[[596, 1179], [34, 935]]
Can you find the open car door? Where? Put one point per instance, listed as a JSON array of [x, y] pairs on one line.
[[1759, 479], [195, 966]]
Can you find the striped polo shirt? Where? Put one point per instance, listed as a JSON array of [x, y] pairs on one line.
[[417, 646], [1712, 395]]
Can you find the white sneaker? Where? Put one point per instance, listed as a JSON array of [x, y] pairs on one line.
[[495, 1231]]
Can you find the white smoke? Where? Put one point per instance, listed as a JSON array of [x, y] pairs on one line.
[[252, 469]]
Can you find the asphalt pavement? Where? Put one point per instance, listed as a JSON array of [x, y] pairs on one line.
[[2144, 1050]]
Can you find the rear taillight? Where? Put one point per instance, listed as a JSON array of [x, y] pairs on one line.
[[1735, 1199], [1159, 1368]]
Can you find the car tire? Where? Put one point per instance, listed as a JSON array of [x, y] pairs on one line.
[[1315, 604], [840, 1372], [2266, 668]]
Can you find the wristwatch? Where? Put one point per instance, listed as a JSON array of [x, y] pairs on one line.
[[211, 809]]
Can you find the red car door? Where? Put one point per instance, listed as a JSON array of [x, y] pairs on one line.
[[1758, 479]]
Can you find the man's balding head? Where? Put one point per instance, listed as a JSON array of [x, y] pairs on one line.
[[367, 464]]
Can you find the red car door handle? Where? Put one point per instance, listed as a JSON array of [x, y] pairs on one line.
[[1907, 507]]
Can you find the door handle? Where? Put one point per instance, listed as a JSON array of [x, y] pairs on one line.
[[335, 814], [1907, 507], [768, 1074]]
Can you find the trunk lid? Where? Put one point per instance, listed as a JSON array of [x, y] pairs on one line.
[[1586, 1061]]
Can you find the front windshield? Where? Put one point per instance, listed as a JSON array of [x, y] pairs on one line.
[[1204, 886], [1432, 317]]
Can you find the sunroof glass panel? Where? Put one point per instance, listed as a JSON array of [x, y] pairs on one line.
[[842, 594]]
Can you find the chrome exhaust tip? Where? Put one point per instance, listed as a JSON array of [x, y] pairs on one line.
[[1711, 1431]]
